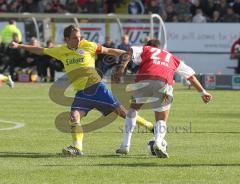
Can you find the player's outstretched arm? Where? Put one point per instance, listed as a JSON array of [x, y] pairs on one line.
[[30, 48], [113, 52], [206, 97], [124, 60]]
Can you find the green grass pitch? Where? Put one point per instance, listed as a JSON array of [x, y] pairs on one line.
[[203, 143]]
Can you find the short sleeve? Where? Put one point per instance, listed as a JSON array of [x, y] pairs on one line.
[[137, 52], [184, 70], [90, 47]]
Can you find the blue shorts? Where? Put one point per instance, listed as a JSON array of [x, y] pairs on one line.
[[97, 96]]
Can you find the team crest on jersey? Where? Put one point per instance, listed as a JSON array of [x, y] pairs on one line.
[[80, 51]]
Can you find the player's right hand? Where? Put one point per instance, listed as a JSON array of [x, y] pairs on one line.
[[13, 45], [206, 97]]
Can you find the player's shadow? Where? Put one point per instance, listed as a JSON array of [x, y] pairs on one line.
[[211, 132], [153, 165], [169, 165], [28, 155], [232, 115]]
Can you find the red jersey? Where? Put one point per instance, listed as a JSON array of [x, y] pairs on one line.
[[157, 64]]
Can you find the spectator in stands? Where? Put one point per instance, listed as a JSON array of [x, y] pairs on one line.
[[31, 60], [82, 2], [55, 6], [7, 36], [8, 30], [169, 10], [30, 6], [4, 60], [106, 62], [170, 13], [168, 3], [182, 9], [49, 62], [15, 56], [1, 55], [194, 6], [235, 54], [154, 7], [208, 7], [199, 17], [110, 6], [125, 45], [221, 6], [15, 6], [72, 6], [92, 6], [230, 16], [175, 18], [3, 6], [135, 7], [236, 7], [47, 8], [215, 17]]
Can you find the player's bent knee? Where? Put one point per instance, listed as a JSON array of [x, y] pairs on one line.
[[121, 111], [74, 117], [132, 113]]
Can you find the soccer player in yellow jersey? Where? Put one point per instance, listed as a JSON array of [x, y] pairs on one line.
[[7, 79], [91, 92]]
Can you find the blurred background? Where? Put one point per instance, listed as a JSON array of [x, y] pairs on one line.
[[203, 33]]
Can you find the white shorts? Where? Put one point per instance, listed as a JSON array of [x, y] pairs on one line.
[[154, 92]]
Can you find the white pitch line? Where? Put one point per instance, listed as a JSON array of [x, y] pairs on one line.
[[17, 125], [24, 98]]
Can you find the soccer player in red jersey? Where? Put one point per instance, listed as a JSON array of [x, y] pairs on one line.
[[154, 84], [235, 54]]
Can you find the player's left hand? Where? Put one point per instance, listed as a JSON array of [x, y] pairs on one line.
[[116, 77], [117, 74]]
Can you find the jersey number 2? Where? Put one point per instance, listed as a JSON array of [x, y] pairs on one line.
[[155, 56]]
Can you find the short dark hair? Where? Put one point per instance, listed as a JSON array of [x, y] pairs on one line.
[[154, 43], [11, 21], [69, 29], [49, 41]]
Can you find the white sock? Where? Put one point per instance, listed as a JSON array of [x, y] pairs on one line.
[[130, 123], [160, 130], [77, 144]]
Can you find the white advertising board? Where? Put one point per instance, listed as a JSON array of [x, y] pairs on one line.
[[185, 37]]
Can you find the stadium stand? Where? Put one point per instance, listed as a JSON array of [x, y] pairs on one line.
[[196, 11], [181, 10]]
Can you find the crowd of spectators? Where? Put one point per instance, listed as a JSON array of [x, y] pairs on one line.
[[170, 10], [16, 61], [59, 6], [199, 11]]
